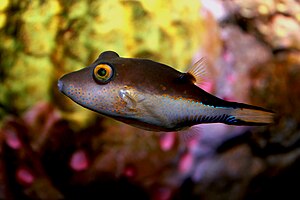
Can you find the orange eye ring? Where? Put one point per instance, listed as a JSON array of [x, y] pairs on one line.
[[103, 73]]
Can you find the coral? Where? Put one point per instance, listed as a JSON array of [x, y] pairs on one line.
[[42, 157], [260, 65], [58, 150]]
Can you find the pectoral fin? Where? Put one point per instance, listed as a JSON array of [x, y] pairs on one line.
[[130, 97]]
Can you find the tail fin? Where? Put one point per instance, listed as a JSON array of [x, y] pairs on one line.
[[251, 116]]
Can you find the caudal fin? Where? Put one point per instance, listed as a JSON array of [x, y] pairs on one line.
[[251, 116]]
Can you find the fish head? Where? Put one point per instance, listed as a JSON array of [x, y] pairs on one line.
[[130, 90], [97, 86]]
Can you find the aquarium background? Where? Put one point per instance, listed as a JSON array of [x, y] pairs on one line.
[[51, 148]]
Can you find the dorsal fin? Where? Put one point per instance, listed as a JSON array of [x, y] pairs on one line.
[[108, 55], [198, 71]]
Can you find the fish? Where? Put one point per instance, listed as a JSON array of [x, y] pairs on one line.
[[154, 96]]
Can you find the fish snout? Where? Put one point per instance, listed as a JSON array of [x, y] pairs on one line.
[[60, 85]]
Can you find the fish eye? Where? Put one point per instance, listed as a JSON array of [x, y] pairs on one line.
[[103, 73]]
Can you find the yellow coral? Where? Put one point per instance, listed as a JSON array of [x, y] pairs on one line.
[[3, 17], [2, 20], [4, 4], [41, 12], [30, 80]]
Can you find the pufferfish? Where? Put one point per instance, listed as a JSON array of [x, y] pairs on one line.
[[153, 96]]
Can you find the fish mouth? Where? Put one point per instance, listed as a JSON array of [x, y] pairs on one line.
[[63, 83], [60, 85]]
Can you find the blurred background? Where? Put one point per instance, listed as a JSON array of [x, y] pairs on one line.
[[51, 148]]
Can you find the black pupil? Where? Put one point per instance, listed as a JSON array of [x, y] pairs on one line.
[[102, 72]]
